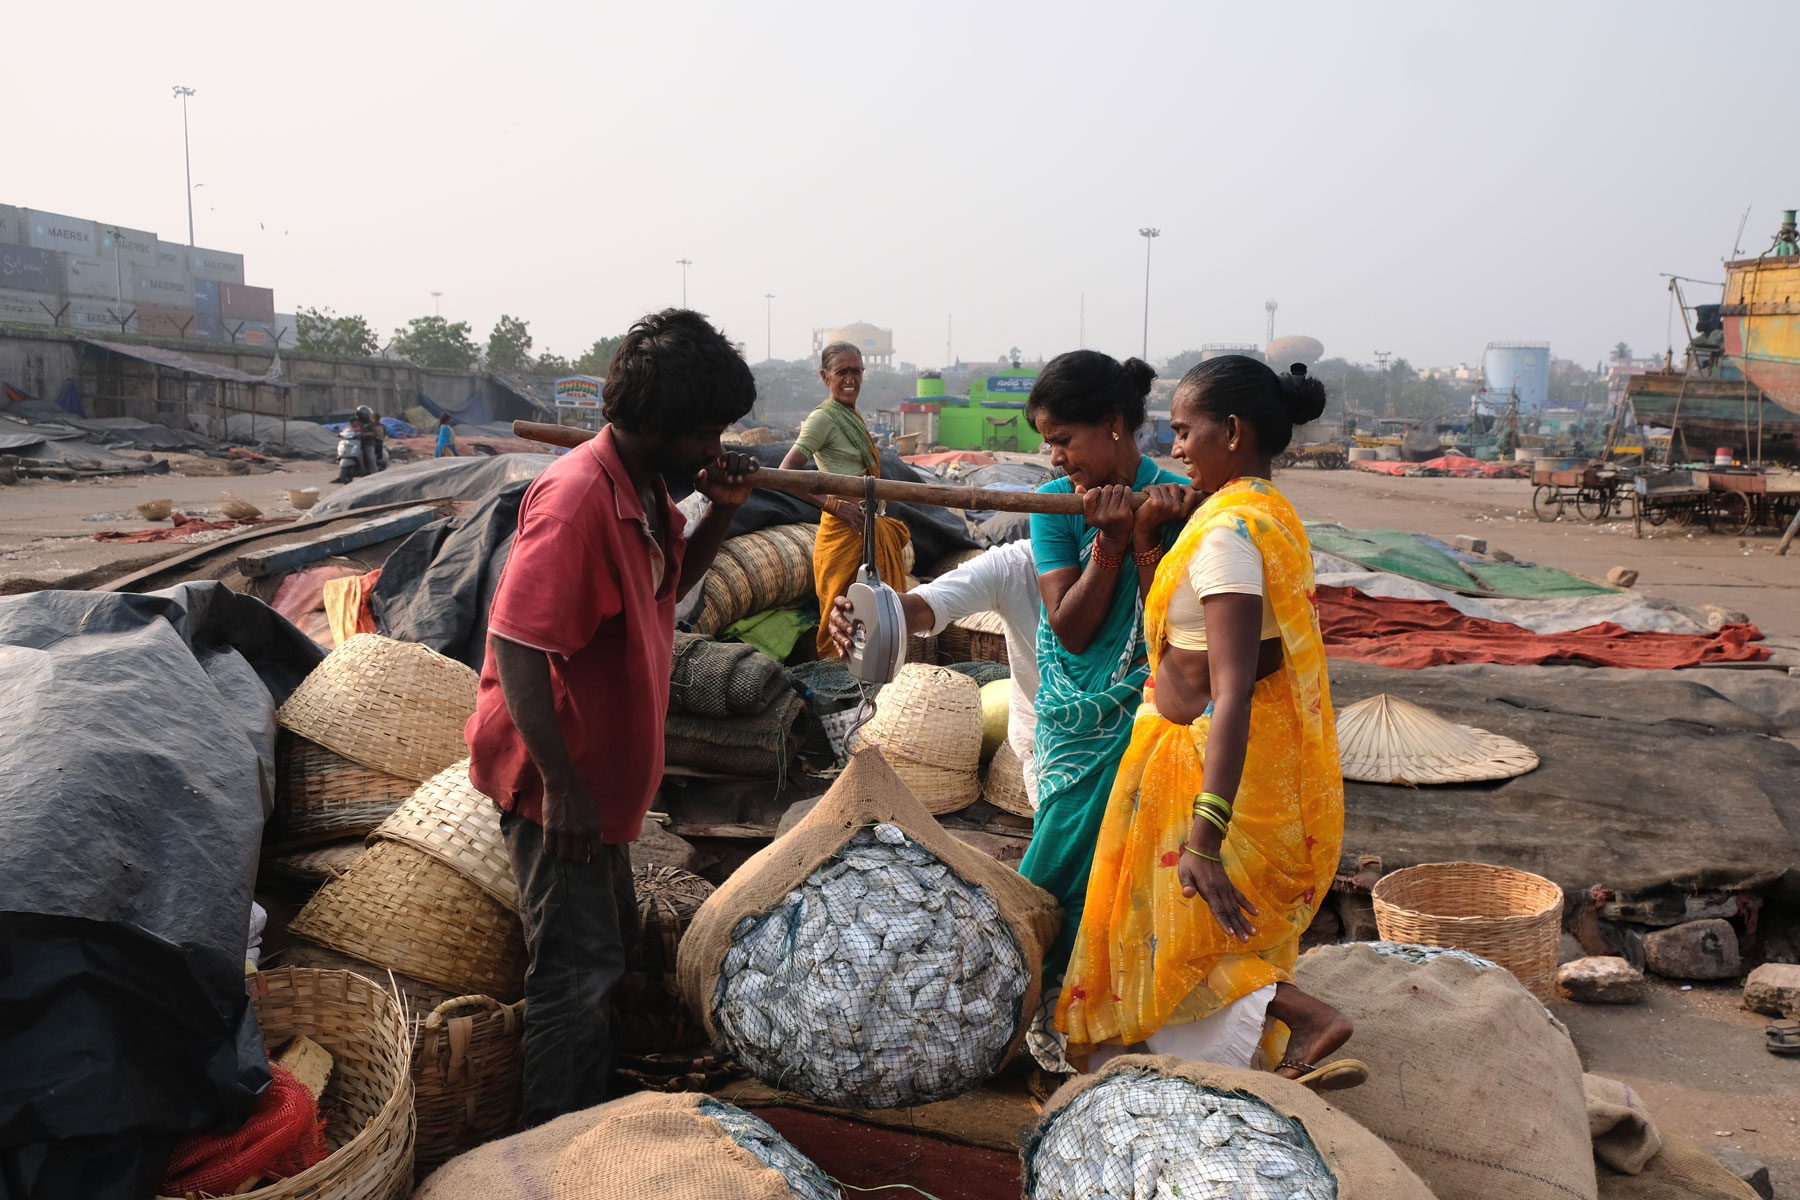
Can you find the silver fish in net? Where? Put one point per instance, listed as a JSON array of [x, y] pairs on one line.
[[1415, 953], [883, 980], [804, 1177], [1136, 1135]]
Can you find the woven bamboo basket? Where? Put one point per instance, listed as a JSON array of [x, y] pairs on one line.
[[451, 821], [405, 909], [321, 796], [315, 864], [1511, 917], [368, 1101], [1385, 739], [987, 638], [1004, 785], [928, 725], [922, 648], [753, 572], [156, 510], [950, 562], [468, 1064], [417, 997], [397, 707], [653, 1014]]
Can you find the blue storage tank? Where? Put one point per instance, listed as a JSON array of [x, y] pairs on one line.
[[1522, 367]]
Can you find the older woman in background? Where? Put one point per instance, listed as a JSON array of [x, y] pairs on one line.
[[835, 439]]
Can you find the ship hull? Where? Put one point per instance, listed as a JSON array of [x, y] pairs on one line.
[[1716, 412], [1761, 315]]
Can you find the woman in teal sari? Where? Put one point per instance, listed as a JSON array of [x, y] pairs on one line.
[[1093, 572]]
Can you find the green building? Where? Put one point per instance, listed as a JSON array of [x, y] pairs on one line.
[[990, 417]]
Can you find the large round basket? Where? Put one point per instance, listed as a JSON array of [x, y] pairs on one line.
[[653, 1015], [397, 707], [1004, 786], [770, 568], [417, 997], [402, 908], [368, 1101], [928, 725], [1511, 917], [922, 648], [321, 796], [314, 864], [451, 821], [468, 1063]]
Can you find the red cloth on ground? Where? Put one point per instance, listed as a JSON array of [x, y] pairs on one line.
[[973, 458], [284, 1136], [181, 527], [1429, 633]]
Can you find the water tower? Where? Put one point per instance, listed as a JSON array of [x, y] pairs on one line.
[[1521, 368]]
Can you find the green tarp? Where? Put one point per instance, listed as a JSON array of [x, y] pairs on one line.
[[1405, 554]]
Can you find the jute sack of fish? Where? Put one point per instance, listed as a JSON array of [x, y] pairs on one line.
[[866, 958], [651, 1146], [1471, 1082], [1156, 1127]]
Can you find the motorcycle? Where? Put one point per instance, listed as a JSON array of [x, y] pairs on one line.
[[349, 453]]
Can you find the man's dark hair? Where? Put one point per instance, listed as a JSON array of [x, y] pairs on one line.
[[674, 373], [1086, 387]]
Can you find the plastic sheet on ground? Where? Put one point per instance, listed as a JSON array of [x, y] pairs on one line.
[[64, 446], [1409, 555], [138, 750], [1555, 614], [440, 479], [1625, 757], [306, 437]]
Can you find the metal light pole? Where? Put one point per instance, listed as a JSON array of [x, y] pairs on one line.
[[187, 157], [1270, 306], [437, 307], [1148, 235], [769, 326], [684, 263], [1381, 359]]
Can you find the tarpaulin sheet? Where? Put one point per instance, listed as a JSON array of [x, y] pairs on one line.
[[973, 458], [1516, 579], [1457, 465], [138, 760], [1427, 633], [1414, 557], [1551, 614], [1647, 780], [438, 584], [440, 479]]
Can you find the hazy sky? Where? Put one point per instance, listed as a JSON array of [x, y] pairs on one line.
[[1413, 177]]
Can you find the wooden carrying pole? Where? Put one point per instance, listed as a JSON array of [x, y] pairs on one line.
[[850, 487]]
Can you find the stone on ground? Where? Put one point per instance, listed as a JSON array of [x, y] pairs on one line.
[[1774, 988], [1601, 981], [1470, 545], [1622, 577], [1747, 1167], [1696, 950]]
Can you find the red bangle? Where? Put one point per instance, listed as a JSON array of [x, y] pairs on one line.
[[1105, 561], [1148, 558]]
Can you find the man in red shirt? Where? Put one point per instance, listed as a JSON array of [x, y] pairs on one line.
[[567, 736]]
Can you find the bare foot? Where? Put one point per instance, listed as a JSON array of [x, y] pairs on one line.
[[1316, 1030]]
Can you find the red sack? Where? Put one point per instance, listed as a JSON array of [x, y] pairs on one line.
[[284, 1136]]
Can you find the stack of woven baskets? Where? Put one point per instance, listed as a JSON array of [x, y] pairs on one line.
[[754, 572], [928, 725], [980, 638], [433, 906], [369, 724]]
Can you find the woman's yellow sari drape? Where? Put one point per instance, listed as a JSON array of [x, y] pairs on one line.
[[1147, 957]]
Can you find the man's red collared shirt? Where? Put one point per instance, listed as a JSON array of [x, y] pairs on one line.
[[588, 584]]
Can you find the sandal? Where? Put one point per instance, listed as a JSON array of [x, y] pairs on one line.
[[1334, 1076], [1783, 1037]]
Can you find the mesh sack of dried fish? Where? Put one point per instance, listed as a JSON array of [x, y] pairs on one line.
[[867, 958], [1158, 1127], [1471, 1082]]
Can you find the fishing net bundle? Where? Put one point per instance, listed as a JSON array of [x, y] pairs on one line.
[[867, 958], [754, 1134], [1161, 1128], [881, 980]]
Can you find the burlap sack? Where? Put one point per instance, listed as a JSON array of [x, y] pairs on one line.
[[1680, 1171], [1471, 1083], [867, 793], [1625, 1137], [1364, 1168], [651, 1146]]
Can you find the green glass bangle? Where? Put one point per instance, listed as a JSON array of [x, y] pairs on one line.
[[1214, 798], [1215, 820], [1199, 854]]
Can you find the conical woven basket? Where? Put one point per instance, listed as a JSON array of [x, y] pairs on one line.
[[315, 864], [451, 821], [1507, 916], [401, 907], [321, 796], [1004, 786], [397, 707], [468, 1066], [928, 725], [368, 1101], [1385, 739]]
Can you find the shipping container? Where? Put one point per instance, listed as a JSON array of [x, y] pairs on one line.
[[287, 330], [221, 265], [24, 308], [27, 269], [12, 225], [165, 320], [53, 231], [134, 246], [99, 314], [253, 333], [246, 303], [95, 278], [206, 296], [151, 285], [208, 327], [171, 256]]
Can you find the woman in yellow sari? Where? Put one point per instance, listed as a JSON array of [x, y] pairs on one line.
[[1222, 832], [835, 438]]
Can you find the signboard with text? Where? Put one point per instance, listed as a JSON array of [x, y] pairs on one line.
[[577, 391]]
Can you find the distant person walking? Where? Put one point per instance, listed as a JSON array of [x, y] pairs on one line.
[[835, 438], [446, 440]]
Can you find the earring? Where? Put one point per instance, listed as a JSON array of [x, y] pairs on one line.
[[1115, 435], [1233, 446]]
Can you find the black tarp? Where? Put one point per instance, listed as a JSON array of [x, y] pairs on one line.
[[1649, 781], [434, 479], [137, 754], [437, 585]]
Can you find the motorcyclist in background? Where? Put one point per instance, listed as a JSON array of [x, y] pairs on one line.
[[370, 434]]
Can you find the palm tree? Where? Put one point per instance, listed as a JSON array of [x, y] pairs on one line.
[[1621, 353]]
